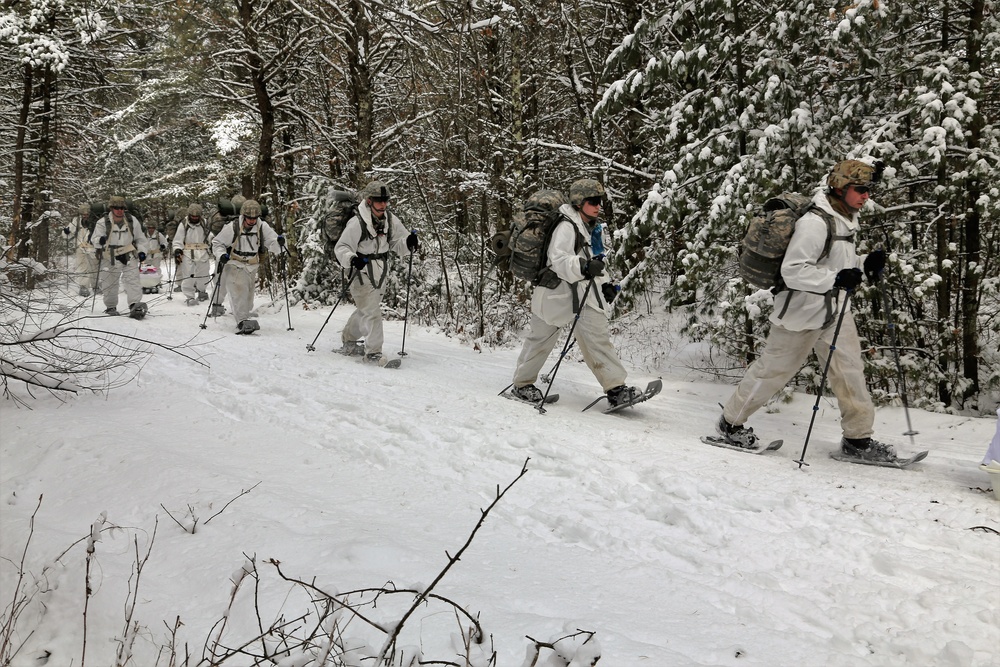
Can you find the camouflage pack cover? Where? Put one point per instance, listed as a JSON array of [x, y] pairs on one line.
[[345, 207], [531, 230], [766, 240]]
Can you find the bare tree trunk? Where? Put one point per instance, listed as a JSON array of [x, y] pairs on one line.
[[264, 169], [16, 241], [970, 287], [361, 90]]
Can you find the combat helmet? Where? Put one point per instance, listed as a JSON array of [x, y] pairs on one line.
[[194, 209], [854, 172], [585, 188], [376, 189], [250, 209], [116, 200]]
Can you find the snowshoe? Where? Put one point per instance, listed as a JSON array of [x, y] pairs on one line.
[[191, 302], [626, 397], [218, 310], [380, 359], [526, 395], [84, 291], [871, 452], [247, 327], [202, 296], [719, 441], [111, 311], [137, 311], [352, 348], [740, 437]]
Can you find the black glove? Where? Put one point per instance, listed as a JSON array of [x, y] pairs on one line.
[[102, 240], [123, 259], [223, 258], [142, 257], [359, 261], [412, 244], [67, 231], [163, 247], [848, 279], [874, 265], [281, 240], [592, 269], [610, 292]]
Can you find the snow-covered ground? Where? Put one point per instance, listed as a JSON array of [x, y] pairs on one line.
[[673, 552]]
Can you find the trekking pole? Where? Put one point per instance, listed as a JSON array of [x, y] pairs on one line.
[[569, 339], [406, 311], [895, 351], [67, 262], [173, 274], [311, 347], [97, 280], [211, 302], [284, 282], [822, 383], [547, 377]]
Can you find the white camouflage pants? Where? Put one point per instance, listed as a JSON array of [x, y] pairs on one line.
[[195, 276], [114, 273], [366, 320], [86, 269], [784, 354], [239, 280], [591, 334]]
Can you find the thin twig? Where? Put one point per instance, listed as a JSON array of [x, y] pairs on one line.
[[243, 492]]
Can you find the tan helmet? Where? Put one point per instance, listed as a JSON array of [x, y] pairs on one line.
[[84, 210], [194, 209], [853, 172], [250, 209], [116, 200], [376, 189], [585, 188]]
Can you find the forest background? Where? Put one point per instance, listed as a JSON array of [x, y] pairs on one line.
[[691, 113]]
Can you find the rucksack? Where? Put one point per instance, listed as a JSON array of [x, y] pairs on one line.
[[763, 246], [345, 207], [524, 250]]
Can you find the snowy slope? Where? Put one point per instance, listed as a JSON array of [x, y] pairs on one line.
[[675, 553]]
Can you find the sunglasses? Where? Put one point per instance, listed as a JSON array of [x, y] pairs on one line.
[[380, 200], [594, 201], [862, 189], [117, 208]]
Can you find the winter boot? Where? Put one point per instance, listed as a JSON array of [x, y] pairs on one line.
[[741, 436], [111, 311], [352, 348], [202, 296], [191, 302], [247, 327], [137, 311], [218, 310], [374, 358], [528, 392], [867, 449], [84, 291], [622, 395]]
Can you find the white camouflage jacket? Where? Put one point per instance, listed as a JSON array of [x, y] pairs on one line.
[[809, 301], [371, 244], [556, 306]]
